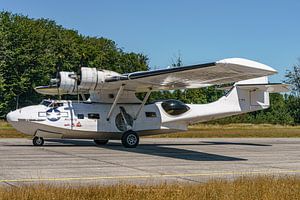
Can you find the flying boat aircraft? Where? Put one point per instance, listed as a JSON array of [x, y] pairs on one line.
[[113, 112]]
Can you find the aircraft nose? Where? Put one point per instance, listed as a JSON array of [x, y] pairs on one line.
[[12, 116]]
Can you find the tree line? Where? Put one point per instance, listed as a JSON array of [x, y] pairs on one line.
[[31, 50]]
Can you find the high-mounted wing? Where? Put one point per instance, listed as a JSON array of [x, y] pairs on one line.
[[193, 76]]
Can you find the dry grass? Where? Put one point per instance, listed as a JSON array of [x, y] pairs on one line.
[[266, 188], [11, 133], [6, 131]]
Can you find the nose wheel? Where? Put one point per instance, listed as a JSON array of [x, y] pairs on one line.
[[38, 141], [130, 139]]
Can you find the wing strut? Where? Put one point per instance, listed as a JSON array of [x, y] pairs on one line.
[[115, 101], [143, 103]]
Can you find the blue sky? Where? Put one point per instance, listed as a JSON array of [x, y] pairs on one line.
[[202, 31]]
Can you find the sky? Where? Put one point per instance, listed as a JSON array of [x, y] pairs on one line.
[[200, 31]]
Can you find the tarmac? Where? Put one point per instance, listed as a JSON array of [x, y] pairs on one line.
[[81, 162]]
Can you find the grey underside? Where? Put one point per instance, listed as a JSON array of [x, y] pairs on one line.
[[54, 132]]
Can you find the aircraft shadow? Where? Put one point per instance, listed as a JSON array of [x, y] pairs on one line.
[[165, 151], [76, 142], [235, 143], [162, 150]]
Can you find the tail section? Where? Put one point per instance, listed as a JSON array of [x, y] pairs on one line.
[[253, 94], [245, 96]]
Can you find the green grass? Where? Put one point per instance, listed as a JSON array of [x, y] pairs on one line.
[[246, 188]]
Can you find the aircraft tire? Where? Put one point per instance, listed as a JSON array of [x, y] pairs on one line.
[[100, 142], [130, 139], [38, 141]]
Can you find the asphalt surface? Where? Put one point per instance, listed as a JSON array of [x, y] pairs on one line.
[[153, 161]]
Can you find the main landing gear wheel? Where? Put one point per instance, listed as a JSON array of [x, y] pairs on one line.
[[38, 141], [101, 142], [130, 139]]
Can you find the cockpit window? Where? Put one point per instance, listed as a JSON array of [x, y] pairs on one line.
[[56, 105], [51, 104], [46, 102], [174, 107]]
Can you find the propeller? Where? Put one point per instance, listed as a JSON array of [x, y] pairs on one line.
[[56, 80], [76, 76]]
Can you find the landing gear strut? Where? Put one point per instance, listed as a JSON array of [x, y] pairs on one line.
[[130, 139], [38, 141]]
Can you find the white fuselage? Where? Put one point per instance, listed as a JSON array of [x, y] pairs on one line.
[[102, 120], [81, 120], [86, 120]]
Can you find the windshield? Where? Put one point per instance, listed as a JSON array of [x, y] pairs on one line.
[[46, 102]]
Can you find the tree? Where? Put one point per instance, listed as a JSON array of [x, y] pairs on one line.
[[293, 78], [293, 100], [31, 48], [2, 93], [178, 61]]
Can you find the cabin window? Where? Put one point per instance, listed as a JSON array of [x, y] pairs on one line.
[[150, 114], [80, 116], [93, 116], [174, 107]]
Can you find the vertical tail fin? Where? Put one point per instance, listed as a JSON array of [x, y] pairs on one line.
[[249, 96]]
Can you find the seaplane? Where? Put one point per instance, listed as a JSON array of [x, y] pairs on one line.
[[113, 112]]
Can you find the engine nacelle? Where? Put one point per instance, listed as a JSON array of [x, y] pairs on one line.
[[91, 78], [66, 83]]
